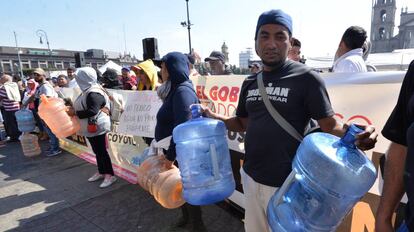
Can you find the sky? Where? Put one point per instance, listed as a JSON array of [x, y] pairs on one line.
[[100, 24]]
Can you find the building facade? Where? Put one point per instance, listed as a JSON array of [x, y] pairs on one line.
[[55, 59], [383, 24], [245, 57]]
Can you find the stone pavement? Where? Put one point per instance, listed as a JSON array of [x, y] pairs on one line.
[[52, 194]]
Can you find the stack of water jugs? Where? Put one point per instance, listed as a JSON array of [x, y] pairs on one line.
[[53, 112], [204, 164], [26, 124], [329, 176]]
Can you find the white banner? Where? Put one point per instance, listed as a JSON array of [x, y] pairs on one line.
[[140, 115]]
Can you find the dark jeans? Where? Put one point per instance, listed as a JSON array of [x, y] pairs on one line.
[[11, 129], [53, 140], [98, 144], [39, 123]]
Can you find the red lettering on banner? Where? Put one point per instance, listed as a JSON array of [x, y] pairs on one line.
[[360, 117], [221, 109], [234, 94], [213, 93], [223, 93], [200, 92], [354, 118]]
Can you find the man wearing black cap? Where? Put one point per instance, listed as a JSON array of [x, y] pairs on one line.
[[299, 95], [217, 63]]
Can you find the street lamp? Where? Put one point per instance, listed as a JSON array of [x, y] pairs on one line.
[[188, 25], [41, 34], [18, 55]]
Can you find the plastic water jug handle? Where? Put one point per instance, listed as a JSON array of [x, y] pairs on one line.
[[214, 162], [43, 98], [283, 189]]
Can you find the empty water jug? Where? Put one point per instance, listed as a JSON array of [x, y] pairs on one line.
[[25, 120], [30, 145], [330, 175], [53, 112], [204, 159], [162, 182]]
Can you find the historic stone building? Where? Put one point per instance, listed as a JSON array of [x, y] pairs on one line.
[[383, 24]]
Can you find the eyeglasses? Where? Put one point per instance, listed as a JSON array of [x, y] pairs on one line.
[[36, 74]]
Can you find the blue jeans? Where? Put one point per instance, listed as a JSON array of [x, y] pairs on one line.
[[53, 140]]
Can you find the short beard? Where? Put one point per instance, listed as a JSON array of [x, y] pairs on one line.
[[274, 65]]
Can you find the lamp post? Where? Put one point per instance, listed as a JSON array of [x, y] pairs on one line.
[[18, 55], [188, 25], [41, 34]]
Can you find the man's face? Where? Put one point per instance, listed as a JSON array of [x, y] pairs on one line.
[[217, 67], [62, 82], [294, 53], [125, 73], [272, 44], [38, 78], [70, 73]]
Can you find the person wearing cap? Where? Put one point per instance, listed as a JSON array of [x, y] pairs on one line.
[[147, 75], [255, 67], [217, 64], [110, 79], [349, 55], [129, 82], [299, 95], [46, 89], [177, 94]]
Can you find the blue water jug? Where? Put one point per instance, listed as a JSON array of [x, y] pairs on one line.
[[204, 159], [329, 176], [25, 120]]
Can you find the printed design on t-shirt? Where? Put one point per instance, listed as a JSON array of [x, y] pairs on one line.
[[276, 93]]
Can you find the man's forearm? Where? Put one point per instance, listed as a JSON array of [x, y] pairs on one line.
[[232, 123], [393, 188]]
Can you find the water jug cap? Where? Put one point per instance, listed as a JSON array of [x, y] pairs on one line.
[[349, 137], [196, 111]]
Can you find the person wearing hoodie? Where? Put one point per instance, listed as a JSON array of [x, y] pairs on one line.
[[92, 108], [146, 74], [10, 97], [177, 94]]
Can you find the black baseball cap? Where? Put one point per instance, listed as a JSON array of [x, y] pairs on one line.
[[215, 55]]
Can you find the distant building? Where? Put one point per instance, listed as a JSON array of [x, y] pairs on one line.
[[56, 59], [383, 24], [245, 57]]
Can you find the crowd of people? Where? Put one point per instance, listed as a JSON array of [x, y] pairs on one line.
[[269, 149]]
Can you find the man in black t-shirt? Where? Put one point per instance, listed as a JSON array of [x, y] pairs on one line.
[[399, 164], [269, 150]]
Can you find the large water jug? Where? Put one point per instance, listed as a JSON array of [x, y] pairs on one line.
[[53, 112], [330, 175], [163, 183], [30, 145], [204, 159], [25, 120]]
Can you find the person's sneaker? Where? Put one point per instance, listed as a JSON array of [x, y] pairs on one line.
[[53, 153], [108, 181], [95, 177]]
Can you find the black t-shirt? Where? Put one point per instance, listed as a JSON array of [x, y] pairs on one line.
[[269, 149], [399, 128]]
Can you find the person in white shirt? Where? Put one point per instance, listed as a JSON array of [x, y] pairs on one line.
[[71, 77], [348, 57]]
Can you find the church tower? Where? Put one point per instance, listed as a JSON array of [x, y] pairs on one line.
[[382, 25], [225, 51]]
